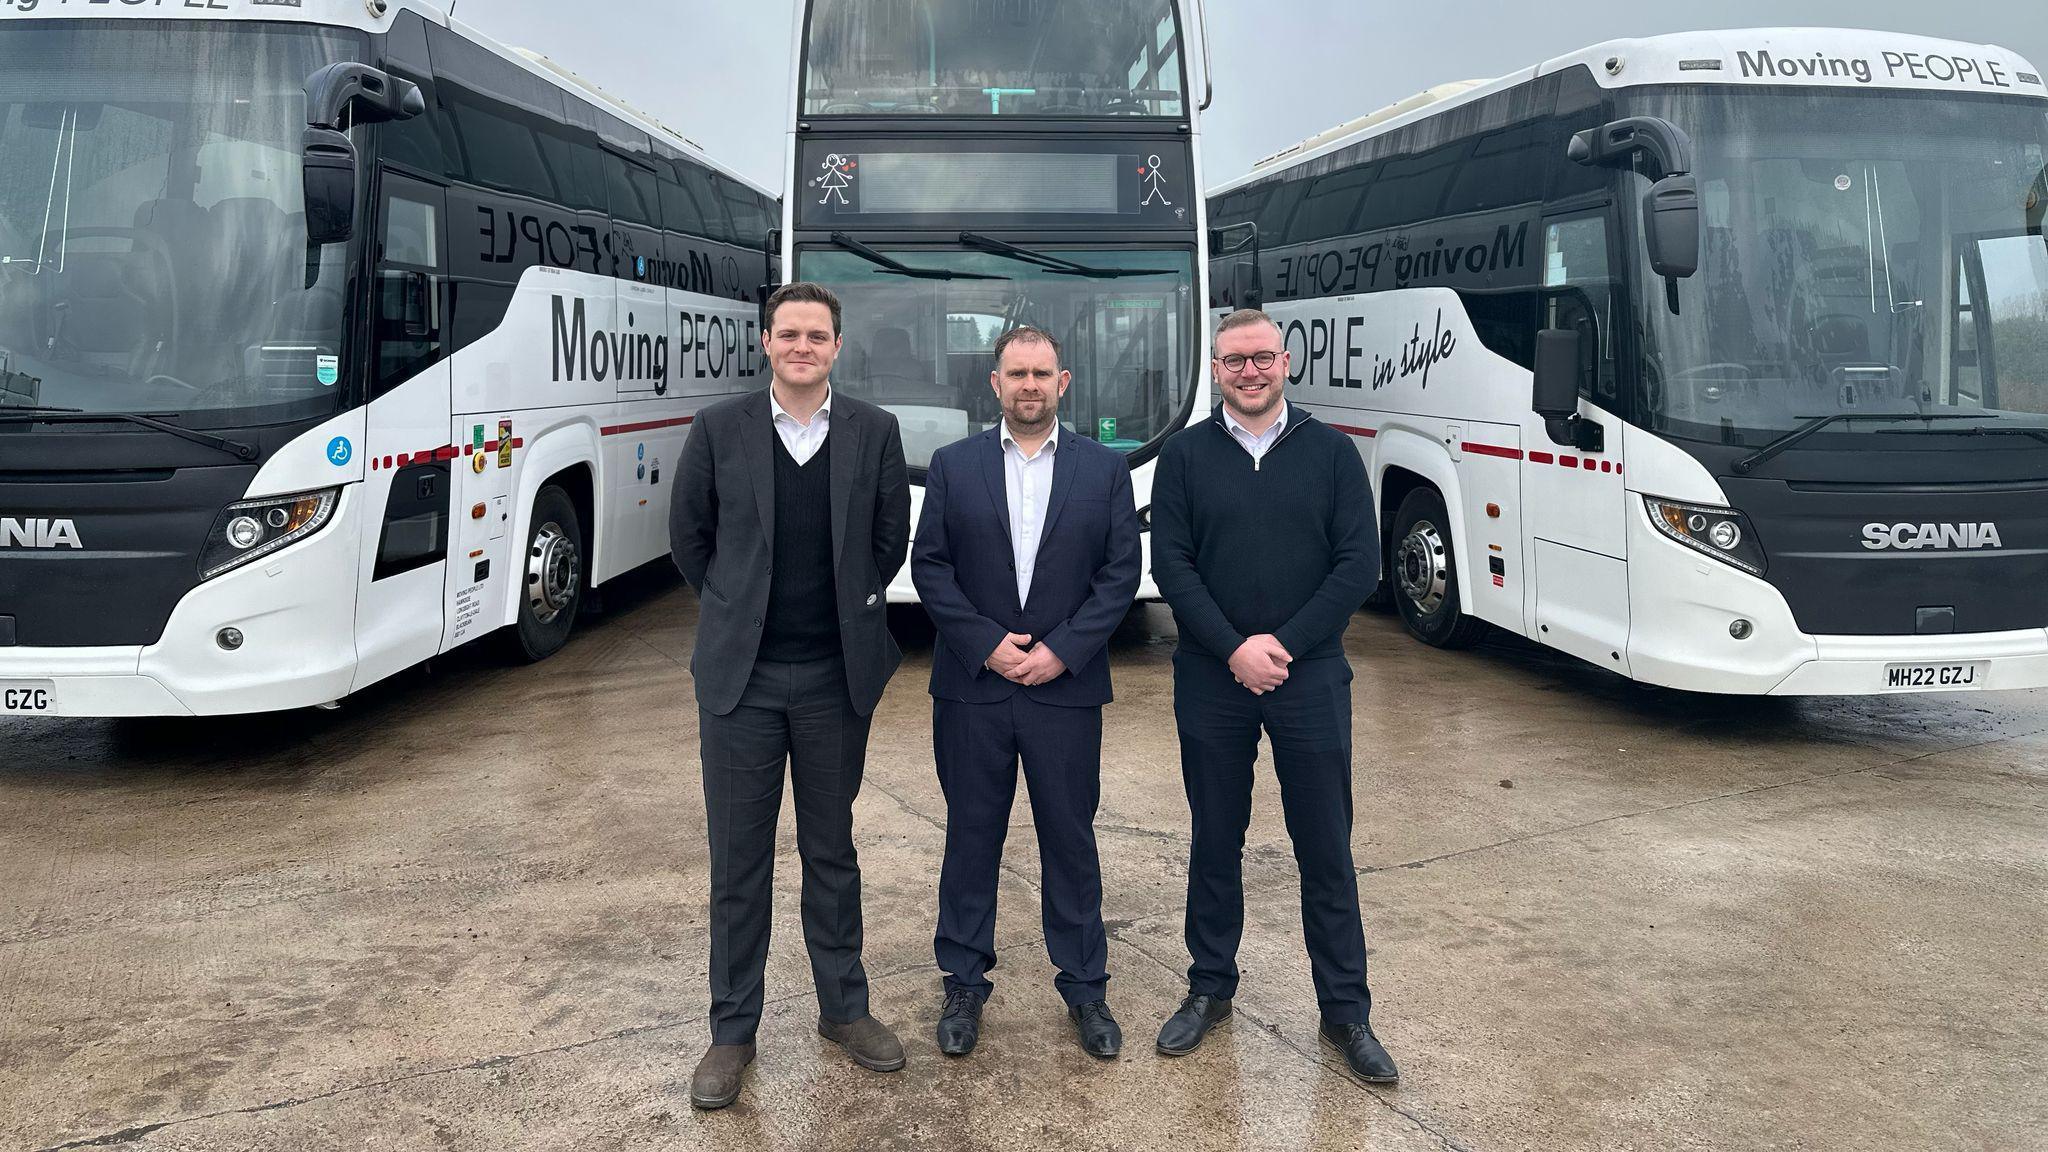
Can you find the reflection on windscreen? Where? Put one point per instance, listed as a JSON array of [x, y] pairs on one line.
[[923, 348], [1863, 253], [1014, 58], [153, 250]]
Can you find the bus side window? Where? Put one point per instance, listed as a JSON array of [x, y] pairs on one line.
[[408, 282], [1578, 283]]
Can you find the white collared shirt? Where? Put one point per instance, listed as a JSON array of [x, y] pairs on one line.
[[1258, 444], [801, 439], [1027, 483]]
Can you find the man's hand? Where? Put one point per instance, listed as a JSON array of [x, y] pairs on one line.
[[1010, 653], [1260, 664], [1039, 666]]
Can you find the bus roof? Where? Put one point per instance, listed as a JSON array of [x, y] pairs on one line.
[[373, 16], [1820, 57]]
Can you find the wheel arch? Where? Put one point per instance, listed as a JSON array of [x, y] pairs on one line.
[[567, 459], [1406, 461]]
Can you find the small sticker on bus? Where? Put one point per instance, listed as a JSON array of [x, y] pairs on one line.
[[328, 370]]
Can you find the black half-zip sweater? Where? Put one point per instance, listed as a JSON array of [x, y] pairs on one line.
[[1287, 547]]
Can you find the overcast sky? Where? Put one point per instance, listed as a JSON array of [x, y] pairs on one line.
[[719, 70]]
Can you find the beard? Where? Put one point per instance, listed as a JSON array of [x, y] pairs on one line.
[[1048, 413], [1253, 406]]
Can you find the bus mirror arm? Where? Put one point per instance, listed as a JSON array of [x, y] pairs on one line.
[[1671, 211], [337, 93]]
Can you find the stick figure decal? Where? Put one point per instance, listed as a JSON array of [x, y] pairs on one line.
[[837, 177], [1155, 187]]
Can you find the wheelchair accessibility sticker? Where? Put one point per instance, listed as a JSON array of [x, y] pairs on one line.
[[340, 451]]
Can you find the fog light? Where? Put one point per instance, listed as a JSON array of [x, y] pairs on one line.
[[1742, 629], [229, 639], [244, 532], [1725, 535]]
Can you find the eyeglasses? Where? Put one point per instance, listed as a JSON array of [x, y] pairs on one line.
[[1235, 362]]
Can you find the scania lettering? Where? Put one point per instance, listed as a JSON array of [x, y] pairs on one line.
[[333, 336], [958, 169], [1719, 360]]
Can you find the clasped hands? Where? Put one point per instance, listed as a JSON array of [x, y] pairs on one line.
[[1260, 664], [1016, 660]]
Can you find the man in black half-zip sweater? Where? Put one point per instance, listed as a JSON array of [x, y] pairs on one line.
[[1264, 543]]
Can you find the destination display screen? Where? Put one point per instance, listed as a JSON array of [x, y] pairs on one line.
[[1118, 184]]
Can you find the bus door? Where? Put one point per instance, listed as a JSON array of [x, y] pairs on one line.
[[408, 485], [1574, 513]]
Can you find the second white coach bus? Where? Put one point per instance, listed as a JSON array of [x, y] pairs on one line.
[[332, 336], [961, 168], [1719, 360]]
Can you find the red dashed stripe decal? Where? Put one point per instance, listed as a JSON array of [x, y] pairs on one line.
[[443, 454], [647, 426], [1493, 450]]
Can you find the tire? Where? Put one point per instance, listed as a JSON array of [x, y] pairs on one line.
[[1425, 575], [552, 578]]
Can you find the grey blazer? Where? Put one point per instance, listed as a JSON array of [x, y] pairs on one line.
[[722, 533]]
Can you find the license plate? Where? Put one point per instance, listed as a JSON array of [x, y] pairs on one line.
[[1936, 676], [28, 698]]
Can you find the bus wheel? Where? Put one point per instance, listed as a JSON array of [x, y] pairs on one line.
[[1425, 571], [551, 585]]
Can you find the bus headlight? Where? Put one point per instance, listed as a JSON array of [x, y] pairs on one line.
[[256, 528], [1719, 532]]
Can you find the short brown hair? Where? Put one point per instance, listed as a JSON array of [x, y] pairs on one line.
[[1026, 334], [1245, 318], [803, 292]]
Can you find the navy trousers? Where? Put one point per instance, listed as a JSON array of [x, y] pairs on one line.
[[978, 747], [1308, 720]]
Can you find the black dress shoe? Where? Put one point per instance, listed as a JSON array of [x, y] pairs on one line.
[[959, 1022], [1184, 1029], [1100, 1036], [1362, 1052]]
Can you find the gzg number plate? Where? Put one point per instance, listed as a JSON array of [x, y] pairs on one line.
[[28, 698]]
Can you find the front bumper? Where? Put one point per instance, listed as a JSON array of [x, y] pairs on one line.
[[1681, 606], [296, 610]]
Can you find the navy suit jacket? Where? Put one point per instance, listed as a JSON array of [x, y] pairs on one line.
[[1087, 572]]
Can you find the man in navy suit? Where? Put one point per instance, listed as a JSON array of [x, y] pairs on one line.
[[1027, 558]]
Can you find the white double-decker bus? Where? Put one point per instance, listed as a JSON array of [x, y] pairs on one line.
[[332, 336], [1719, 360], [961, 168]]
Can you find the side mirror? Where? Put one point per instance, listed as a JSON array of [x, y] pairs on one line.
[[329, 163], [1246, 288], [1671, 227], [1560, 358], [328, 155]]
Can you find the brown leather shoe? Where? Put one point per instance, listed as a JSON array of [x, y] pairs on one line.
[[717, 1082], [868, 1041]]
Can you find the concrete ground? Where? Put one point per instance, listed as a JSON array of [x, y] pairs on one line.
[[468, 912]]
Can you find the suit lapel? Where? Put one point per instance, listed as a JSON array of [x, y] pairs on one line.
[[1065, 462], [994, 472], [758, 440], [844, 435]]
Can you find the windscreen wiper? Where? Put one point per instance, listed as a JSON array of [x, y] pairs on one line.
[[1816, 423], [1051, 263], [37, 414], [899, 268], [2040, 434]]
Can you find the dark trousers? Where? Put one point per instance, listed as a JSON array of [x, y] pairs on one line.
[[800, 713], [978, 746], [1308, 720]]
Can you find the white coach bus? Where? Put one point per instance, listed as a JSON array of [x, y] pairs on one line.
[[1719, 360], [960, 168], [332, 336]]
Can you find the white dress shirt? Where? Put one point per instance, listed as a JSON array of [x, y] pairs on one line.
[[1027, 482], [801, 439], [1260, 443]]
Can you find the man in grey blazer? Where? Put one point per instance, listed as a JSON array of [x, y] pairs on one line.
[[791, 514]]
